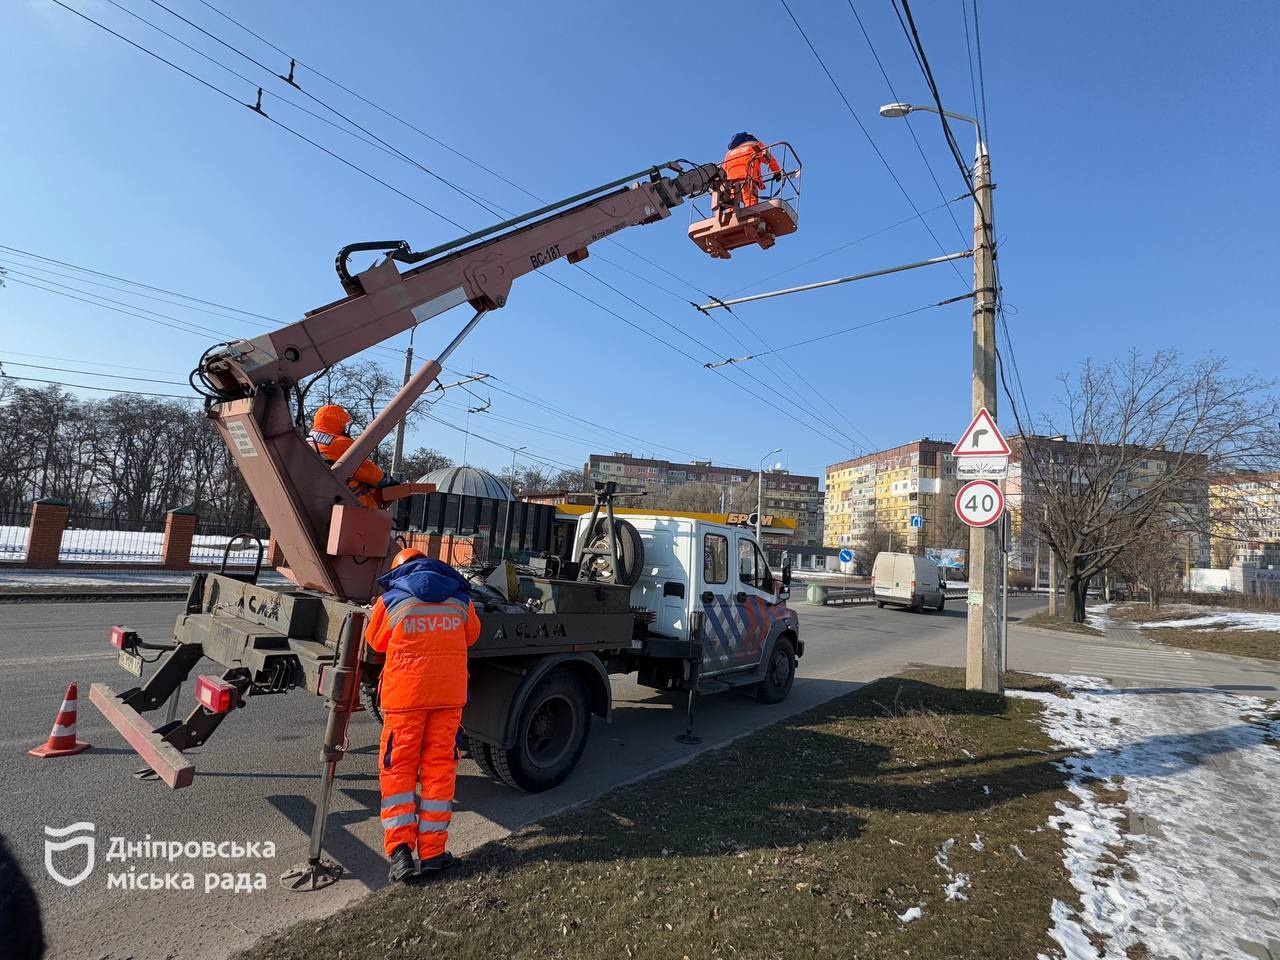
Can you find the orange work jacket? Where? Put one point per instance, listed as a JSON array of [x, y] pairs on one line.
[[743, 164], [426, 645]]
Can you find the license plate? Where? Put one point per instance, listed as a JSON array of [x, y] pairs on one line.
[[131, 662]]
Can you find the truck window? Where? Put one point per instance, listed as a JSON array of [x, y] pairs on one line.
[[752, 568], [715, 558]]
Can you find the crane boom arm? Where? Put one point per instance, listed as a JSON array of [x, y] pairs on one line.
[[331, 542]]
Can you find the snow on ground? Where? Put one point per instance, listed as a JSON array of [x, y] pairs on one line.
[[1199, 876], [109, 578], [121, 546], [1225, 620], [1099, 617]]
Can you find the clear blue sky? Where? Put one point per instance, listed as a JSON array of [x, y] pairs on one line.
[[1134, 146]]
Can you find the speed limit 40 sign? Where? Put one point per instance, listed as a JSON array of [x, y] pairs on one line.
[[979, 503]]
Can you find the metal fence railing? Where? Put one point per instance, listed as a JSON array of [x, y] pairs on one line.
[[13, 534], [211, 540], [112, 540]]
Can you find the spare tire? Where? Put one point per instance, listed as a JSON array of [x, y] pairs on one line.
[[630, 552]]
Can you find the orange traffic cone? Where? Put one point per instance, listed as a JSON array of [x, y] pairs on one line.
[[62, 740]]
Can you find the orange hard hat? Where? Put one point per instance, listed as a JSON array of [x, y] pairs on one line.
[[404, 556]]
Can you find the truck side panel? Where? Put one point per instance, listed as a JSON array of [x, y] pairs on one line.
[[665, 586]]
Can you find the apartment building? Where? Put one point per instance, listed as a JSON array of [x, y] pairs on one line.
[[886, 489], [1060, 459], [1245, 508], [788, 495]]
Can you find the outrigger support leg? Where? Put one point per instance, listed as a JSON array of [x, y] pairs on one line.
[[340, 687], [695, 673]]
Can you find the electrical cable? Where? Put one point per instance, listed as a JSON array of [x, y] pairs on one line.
[[261, 321], [85, 386], [858, 120], [93, 363], [472, 195], [395, 151], [911, 130], [90, 373], [270, 119], [982, 81], [913, 37], [371, 176]]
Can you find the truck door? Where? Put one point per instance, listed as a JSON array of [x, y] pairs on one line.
[[740, 607]]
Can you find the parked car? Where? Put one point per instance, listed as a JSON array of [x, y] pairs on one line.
[[905, 580]]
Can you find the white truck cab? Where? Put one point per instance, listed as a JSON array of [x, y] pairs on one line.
[[696, 566]]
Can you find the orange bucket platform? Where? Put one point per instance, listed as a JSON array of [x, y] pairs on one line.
[[733, 227]]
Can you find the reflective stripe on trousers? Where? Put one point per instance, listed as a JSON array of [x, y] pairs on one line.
[[417, 772]]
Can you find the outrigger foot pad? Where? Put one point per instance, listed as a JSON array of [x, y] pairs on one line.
[[311, 875]]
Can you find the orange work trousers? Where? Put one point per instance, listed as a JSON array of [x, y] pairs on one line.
[[417, 769]]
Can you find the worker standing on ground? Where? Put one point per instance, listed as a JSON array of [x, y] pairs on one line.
[[330, 438], [743, 164], [424, 622]]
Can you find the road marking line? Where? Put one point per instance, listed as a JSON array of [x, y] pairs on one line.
[[66, 658]]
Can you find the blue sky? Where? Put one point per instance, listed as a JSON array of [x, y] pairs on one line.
[[1134, 147]]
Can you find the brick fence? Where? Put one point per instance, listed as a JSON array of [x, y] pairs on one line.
[[50, 516]]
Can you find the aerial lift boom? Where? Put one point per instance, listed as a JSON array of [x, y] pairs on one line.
[[327, 537]]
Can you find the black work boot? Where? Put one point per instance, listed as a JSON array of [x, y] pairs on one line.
[[402, 865], [434, 866]]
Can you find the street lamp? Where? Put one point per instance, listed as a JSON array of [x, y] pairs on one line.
[[760, 492], [506, 527], [983, 654], [894, 111]]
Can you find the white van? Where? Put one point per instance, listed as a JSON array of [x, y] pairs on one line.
[[905, 580]]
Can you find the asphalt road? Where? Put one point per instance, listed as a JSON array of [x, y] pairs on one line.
[[256, 778]]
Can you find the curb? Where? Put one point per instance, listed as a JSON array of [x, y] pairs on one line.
[[89, 595]]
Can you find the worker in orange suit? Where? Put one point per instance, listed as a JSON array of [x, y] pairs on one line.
[[743, 164], [424, 622], [330, 438]]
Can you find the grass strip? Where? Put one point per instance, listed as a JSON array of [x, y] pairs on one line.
[[818, 837]]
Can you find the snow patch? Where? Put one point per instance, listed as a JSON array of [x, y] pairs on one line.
[[977, 843], [959, 882], [1198, 837], [914, 913], [955, 889], [1227, 620]]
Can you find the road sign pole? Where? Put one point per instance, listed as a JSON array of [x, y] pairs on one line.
[[982, 664]]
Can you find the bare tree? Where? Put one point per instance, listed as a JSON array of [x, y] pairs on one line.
[[1136, 442], [1150, 562], [422, 461], [873, 541]]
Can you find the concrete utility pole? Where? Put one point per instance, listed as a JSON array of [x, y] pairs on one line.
[[982, 660], [983, 657]]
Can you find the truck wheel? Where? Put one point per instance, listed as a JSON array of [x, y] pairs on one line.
[[942, 604], [630, 551], [482, 754], [880, 604], [550, 735], [779, 675], [369, 699]]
